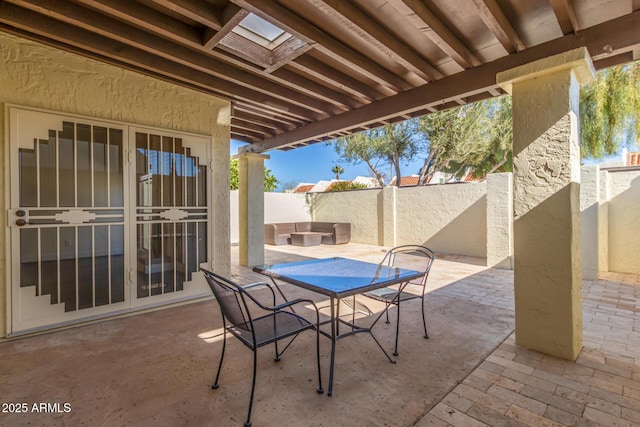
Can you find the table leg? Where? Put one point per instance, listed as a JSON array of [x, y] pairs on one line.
[[333, 346]]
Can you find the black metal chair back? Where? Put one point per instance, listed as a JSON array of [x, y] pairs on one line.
[[277, 324]]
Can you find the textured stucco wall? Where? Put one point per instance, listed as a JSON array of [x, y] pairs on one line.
[[359, 207], [34, 75], [448, 218], [624, 222], [278, 207]]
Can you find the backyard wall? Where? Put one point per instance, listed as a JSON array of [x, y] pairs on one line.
[[623, 210], [473, 218], [38, 76], [278, 207]]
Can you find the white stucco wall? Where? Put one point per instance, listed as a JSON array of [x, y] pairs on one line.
[[624, 221], [449, 218], [278, 207], [446, 218], [359, 207], [35, 75]]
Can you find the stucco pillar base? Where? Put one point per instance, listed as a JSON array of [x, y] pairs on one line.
[[546, 199], [251, 208]]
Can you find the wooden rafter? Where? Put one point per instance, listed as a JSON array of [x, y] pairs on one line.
[[316, 68], [495, 19], [444, 38], [319, 39], [231, 16], [566, 15], [352, 18], [199, 11], [620, 32], [72, 14], [142, 17]]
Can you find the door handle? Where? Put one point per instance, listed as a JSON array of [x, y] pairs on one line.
[[21, 222]]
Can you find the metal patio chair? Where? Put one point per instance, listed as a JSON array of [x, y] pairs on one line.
[[413, 257], [278, 323]]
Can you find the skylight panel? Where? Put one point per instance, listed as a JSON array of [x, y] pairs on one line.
[[260, 27]]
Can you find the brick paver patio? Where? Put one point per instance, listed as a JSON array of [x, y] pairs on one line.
[[516, 386]]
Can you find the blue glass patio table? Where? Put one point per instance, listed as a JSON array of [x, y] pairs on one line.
[[338, 278]]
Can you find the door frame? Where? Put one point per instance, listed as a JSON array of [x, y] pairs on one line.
[[11, 176]]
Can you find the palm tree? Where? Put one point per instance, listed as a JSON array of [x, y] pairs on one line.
[[337, 170]]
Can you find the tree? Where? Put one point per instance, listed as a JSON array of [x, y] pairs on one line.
[[475, 136], [610, 111], [390, 144], [270, 181], [338, 170]]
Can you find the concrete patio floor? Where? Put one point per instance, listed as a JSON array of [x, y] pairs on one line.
[[156, 368]]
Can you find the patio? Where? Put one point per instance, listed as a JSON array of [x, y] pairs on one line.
[[157, 367]]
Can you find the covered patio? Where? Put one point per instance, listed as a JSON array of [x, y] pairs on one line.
[[158, 88], [158, 366]]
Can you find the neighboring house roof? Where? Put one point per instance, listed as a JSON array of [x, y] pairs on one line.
[[406, 181], [303, 188], [633, 159]]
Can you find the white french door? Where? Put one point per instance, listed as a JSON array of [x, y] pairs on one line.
[[103, 218]]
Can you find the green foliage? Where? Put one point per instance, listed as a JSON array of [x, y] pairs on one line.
[[610, 111], [387, 145], [477, 136], [270, 181], [346, 185]]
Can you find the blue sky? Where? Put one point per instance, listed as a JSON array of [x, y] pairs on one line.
[[314, 162]]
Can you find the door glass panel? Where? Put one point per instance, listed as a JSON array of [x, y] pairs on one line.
[[83, 148], [85, 267], [29, 257], [49, 263], [101, 274], [117, 262], [74, 256], [171, 187], [116, 186], [67, 161], [68, 267], [48, 172], [100, 167], [28, 176]]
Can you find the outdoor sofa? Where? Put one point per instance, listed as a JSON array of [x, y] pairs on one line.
[[333, 233]]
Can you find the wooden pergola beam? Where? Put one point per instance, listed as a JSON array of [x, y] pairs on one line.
[[319, 39], [448, 42], [231, 16], [199, 11], [618, 35], [177, 32], [499, 24], [352, 18], [566, 15]]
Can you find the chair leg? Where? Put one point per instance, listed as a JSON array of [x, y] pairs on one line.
[[320, 389], [224, 346], [424, 321], [386, 311], [395, 351], [253, 387]]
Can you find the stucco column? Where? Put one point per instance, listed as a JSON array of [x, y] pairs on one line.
[[500, 220], [251, 208], [589, 232], [546, 201]]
